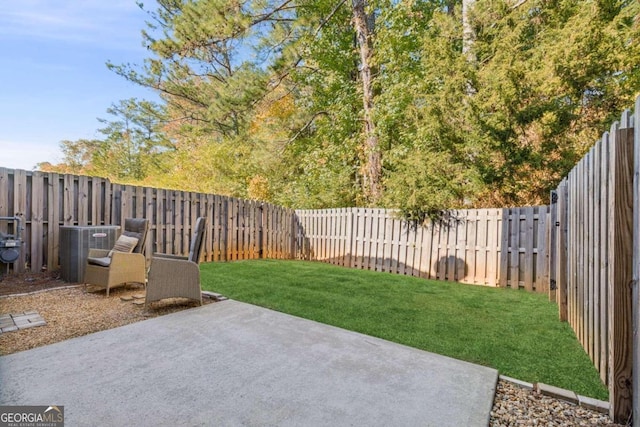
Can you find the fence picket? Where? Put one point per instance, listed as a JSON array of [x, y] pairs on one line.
[[542, 260], [37, 225], [53, 219], [528, 248]]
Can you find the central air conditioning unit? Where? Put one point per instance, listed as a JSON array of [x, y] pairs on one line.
[[75, 242]]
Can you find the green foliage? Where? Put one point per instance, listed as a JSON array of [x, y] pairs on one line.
[[516, 332], [264, 98], [550, 77], [547, 79]]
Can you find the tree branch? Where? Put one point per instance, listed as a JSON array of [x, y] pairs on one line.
[[309, 123]]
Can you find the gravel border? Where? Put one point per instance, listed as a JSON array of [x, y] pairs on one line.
[[518, 403]]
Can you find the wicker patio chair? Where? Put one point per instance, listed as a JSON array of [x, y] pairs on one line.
[[172, 276], [114, 268]]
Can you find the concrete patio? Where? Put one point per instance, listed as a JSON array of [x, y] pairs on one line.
[[231, 363]]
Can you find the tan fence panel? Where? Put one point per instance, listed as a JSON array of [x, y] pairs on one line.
[[465, 246], [593, 257]]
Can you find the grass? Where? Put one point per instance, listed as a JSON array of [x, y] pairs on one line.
[[516, 332]]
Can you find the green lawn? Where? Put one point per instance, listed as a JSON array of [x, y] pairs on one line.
[[516, 332]]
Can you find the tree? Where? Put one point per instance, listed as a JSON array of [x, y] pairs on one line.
[[211, 84], [134, 145], [77, 157], [417, 105], [364, 24]]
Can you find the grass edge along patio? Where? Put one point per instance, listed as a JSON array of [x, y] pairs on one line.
[[516, 332]]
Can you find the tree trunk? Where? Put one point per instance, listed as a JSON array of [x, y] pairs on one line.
[[364, 25], [468, 35]]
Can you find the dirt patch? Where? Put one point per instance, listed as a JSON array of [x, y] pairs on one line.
[[74, 311]]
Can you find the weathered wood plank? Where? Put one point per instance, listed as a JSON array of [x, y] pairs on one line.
[[636, 264], [53, 219], [483, 248], [593, 339], [37, 221], [6, 191], [504, 248], [403, 250], [472, 247], [107, 202], [160, 221], [83, 200], [620, 273], [542, 256], [494, 238], [95, 201], [150, 245], [580, 210], [425, 242], [514, 248], [460, 265], [20, 211], [596, 251], [138, 194], [554, 231], [561, 252], [68, 201], [528, 247]]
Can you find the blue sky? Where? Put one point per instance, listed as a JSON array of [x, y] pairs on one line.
[[53, 77]]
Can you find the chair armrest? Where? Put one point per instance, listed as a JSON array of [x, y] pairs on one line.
[[126, 258], [98, 253], [170, 270]]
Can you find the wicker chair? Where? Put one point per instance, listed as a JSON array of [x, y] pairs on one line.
[[172, 276], [119, 268]]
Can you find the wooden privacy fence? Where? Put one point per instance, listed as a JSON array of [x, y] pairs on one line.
[[499, 247], [596, 258], [237, 229], [505, 247]]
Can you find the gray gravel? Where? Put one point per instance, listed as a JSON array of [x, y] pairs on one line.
[[516, 406]]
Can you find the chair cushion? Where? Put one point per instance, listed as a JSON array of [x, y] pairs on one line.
[[104, 261], [124, 244], [134, 235]]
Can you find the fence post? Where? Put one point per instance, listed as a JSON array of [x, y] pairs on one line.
[[620, 274], [636, 264]]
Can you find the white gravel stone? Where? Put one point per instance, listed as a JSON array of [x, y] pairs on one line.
[[515, 406]]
